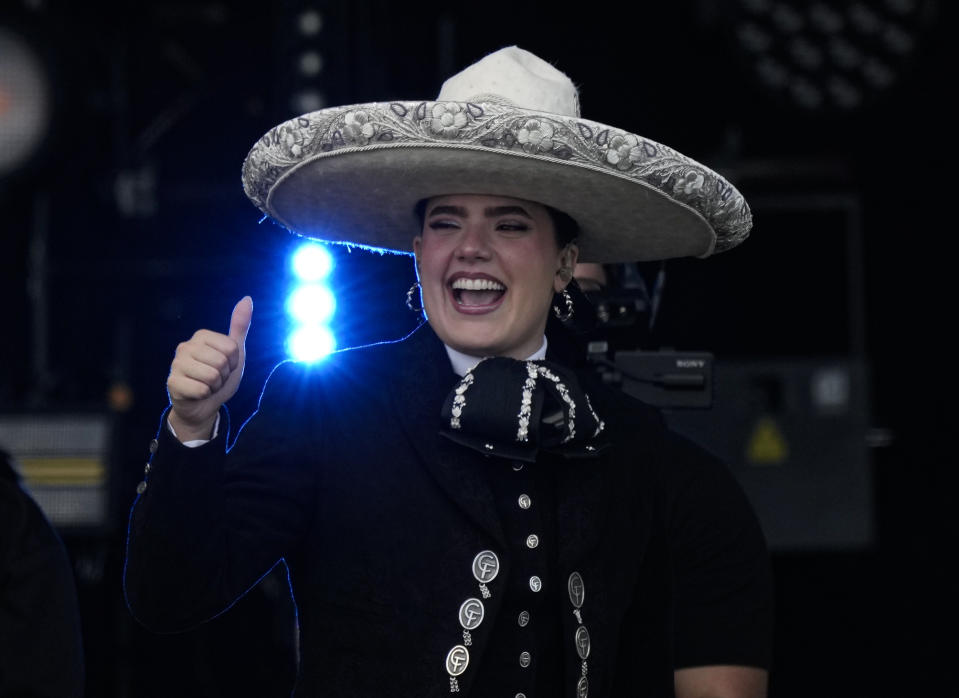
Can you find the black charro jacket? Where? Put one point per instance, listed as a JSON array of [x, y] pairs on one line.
[[343, 473]]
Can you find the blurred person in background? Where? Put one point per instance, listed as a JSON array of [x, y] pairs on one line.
[[41, 650]]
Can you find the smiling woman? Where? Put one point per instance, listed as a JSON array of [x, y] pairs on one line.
[[469, 510], [489, 267]]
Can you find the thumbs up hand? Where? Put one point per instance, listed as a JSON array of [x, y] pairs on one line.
[[206, 372]]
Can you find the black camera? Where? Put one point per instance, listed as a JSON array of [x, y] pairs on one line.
[[618, 327]]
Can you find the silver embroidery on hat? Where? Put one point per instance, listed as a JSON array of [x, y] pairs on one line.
[[496, 128]]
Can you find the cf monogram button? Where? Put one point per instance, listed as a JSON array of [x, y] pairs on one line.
[[582, 688], [456, 660], [582, 642], [485, 566], [523, 618], [525, 502], [471, 614], [577, 590], [525, 659], [532, 540], [535, 583]]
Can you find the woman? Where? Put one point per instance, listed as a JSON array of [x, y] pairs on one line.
[[463, 511]]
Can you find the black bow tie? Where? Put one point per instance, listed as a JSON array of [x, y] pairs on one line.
[[513, 409]]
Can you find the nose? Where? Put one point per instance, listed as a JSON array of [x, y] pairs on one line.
[[473, 242]]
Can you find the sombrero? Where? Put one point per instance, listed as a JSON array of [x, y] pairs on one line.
[[507, 125]]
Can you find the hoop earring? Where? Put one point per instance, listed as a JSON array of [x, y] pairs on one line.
[[410, 295], [569, 307]]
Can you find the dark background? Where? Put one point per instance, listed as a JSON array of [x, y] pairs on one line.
[[172, 95]]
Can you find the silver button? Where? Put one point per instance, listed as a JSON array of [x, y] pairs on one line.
[[457, 660], [141, 488], [517, 466], [535, 583], [532, 540], [577, 590], [525, 659], [471, 614], [485, 566], [154, 446], [582, 687], [520, 695], [523, 618], [147, 469], [582, 642], [525, 502]]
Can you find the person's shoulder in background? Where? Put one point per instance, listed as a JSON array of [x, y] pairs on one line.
[[41, 649]]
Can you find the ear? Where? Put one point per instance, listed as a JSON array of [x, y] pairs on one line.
[[567, 263]]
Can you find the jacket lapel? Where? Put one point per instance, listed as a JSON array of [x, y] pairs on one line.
[[421, 382]]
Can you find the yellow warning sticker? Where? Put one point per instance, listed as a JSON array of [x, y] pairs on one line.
[[767, 445]]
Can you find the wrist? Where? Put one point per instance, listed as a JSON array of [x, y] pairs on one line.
[[191, 431]]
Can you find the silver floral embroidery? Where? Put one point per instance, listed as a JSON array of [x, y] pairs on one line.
[[536, 136], [448, 119], [564, 394], [600, 424], [522, 433], [690, 184], [498, 127], [533, 371], [459, 402], [357, 127]]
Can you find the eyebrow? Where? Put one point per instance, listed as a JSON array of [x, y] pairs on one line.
[[490, 212]]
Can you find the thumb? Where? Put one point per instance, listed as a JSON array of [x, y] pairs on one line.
[[241, 319]]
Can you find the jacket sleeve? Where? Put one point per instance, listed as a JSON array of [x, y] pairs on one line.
[[212, 520], [720, 572]]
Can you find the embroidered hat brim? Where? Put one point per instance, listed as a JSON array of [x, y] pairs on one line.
[[354, 175]]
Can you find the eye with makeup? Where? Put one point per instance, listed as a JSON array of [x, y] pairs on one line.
[[441, 224], [513, 226]]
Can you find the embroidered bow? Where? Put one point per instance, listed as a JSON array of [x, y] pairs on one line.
[[513, 409]]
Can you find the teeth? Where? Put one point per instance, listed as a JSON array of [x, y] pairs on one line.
[[477, 285]]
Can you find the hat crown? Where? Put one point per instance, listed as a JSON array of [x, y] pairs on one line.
[[515, 77]]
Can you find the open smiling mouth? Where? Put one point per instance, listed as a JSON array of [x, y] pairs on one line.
[[477, 293]]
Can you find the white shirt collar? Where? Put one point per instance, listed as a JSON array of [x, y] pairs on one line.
[[464, 362]]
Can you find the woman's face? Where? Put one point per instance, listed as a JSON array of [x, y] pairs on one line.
[[489, 266]]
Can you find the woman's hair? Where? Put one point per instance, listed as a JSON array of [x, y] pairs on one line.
[[566, 229]]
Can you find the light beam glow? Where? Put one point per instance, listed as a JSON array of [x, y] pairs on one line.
[[311, 304], [312, 262], [309, 344]]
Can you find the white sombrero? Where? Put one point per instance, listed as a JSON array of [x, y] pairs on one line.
[[508, 125]]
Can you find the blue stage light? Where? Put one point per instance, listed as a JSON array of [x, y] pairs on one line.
[[311, 343], [312, 262], [311, 304]]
